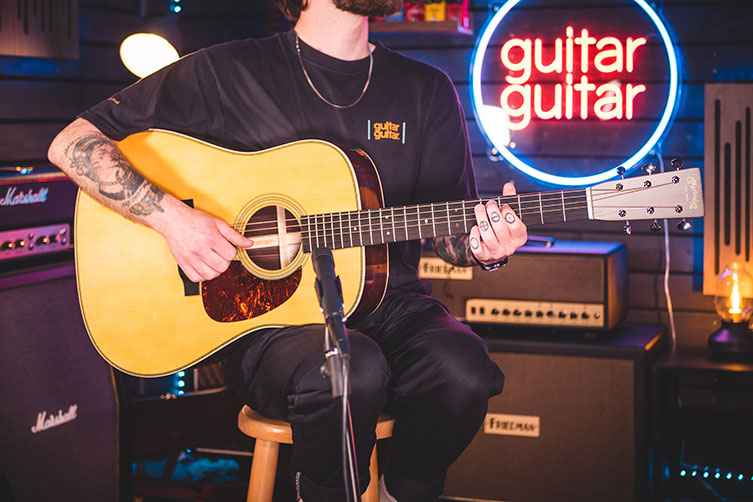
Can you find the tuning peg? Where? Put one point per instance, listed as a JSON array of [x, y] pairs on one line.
[[621, 171], [649, 168], [676, 163], [655, 226], [627, 228], [684, 225]]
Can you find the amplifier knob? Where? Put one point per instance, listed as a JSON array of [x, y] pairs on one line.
[[506, 312], [495, 312], [585, 315], [516, 312], [43, 240], [7, 246], [20, 243], [562, 315], [529, 313], [550, 314], [539, 313], [597, 315], [573, 315]]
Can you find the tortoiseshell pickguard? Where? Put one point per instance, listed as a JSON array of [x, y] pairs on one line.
[[237, 295]]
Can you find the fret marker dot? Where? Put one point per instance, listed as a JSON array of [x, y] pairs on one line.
[[426, 220]]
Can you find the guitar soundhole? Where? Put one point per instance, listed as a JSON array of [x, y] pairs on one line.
[[277, 237]]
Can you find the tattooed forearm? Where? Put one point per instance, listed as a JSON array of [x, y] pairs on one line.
[[149, 202], [455, 249], [98, 159]]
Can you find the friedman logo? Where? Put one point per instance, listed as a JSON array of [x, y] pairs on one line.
[[437, 268], [547, 90], [512, 425], [30, 197], [45, 422]]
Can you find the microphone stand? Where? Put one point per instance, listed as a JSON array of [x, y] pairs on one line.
[[337, 352]]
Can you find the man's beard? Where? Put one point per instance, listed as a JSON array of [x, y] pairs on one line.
[[370, 7]]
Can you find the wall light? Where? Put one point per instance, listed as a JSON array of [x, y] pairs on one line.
[[734, 304], [154, 43]]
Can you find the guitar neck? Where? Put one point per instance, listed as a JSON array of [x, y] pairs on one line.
[[438, 219]]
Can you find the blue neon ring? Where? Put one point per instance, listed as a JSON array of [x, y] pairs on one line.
[[477, 61]]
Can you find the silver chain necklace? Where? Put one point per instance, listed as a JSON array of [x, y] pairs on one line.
[[311, 84]]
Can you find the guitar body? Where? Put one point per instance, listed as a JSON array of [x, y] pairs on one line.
[[146, 319]]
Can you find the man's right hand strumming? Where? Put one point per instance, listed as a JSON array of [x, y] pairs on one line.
[[202, 245]]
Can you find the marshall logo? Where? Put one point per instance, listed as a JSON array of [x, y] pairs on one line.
[[29, 197], [45, 422], [512, 425]]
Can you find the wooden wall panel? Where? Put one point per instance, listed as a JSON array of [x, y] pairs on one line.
[[714, 40]]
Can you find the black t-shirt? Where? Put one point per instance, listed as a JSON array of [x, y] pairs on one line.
[[252, 94]]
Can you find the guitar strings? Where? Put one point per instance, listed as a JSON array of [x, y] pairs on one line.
[[372, 222], [534, 207], [345, 239]]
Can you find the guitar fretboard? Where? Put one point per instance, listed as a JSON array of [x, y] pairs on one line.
[[396, 224]]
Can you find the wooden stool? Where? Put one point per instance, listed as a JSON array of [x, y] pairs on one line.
[[269, 433]]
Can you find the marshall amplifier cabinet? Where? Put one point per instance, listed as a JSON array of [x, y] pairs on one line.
[[59, 417], [578, 285]]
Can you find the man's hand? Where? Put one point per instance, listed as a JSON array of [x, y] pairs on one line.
[[202, 245], [499, 231]]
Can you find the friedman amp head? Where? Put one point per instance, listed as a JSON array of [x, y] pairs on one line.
[[569, 284]]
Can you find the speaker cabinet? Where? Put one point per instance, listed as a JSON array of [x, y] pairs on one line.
[[59, 415], [570, 424]]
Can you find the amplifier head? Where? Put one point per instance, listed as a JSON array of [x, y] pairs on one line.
[[567, 285], [36, 218]]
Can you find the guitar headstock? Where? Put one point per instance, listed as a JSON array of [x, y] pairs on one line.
[[673, 194]]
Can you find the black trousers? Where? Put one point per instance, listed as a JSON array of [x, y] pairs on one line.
[[410, 358]]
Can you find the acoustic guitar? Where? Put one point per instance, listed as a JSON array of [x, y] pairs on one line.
[[147, 319]]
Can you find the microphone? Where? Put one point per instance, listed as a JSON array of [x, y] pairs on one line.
[[329, 290], [328, 286]]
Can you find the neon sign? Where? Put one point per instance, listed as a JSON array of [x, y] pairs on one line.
[[577, 76]]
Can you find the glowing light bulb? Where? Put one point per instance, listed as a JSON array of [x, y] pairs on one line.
[[145, 53], [735, 300], [734, 294]]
